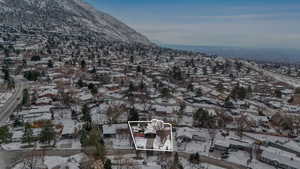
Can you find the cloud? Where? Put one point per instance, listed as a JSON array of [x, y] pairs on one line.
[[214, 22], [268, 16]]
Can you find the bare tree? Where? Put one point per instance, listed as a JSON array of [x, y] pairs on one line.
[[242, 125]]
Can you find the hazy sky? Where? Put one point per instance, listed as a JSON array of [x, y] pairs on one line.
[[247, 23]]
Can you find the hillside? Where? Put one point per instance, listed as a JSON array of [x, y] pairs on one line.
[[67, 17]]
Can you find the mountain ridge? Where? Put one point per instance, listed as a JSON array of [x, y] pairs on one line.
[[67, 16]]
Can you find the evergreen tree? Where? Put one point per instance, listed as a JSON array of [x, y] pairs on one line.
[[93, 88], [220, 87], [94, 70], [204, 70], [249, 91], [278, 93], [107, 164], [242, 93], [32, 75], [138, 69], [26, 97], [190, 87], [83, 136], [5, 135], [202, 118], [28, 135], [165, 92], [48, 133], [94, 139], [194, 158], [132, 59], [50, 64], [85, 110], [199, 92], [83, 64], [131, 87], [228, 103], [35, 58], [18, 122], [177, 74], [142, 85], [5, 70], [297, 90], [80, 83], [239, 92], [133, 115], [182, 108], [6, 53]]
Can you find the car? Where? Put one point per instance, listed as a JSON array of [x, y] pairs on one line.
[[224, 156], [211, 149]]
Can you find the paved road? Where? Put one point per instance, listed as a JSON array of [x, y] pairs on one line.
[[279, 77], [7, 158], [12, 103], [204, 159], [10, 158]]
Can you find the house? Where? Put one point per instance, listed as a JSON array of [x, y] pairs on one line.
[[184, 134], [61, 113], [112, 87], [69, 129], [114, 130], [240, 144], [36, 113], [222, 145]]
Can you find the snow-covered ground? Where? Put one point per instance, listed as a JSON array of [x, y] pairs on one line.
[[154, 162], [72, 162], [61, 144], [241, 157]]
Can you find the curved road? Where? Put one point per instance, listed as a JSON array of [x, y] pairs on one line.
[[279, 77], [5, 111], [11, 104]]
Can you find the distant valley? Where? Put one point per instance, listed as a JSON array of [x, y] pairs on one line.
[[257, 54]]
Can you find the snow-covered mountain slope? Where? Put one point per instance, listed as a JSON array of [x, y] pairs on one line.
[[67, 16]]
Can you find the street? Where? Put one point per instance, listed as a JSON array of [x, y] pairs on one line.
[[12, 103]]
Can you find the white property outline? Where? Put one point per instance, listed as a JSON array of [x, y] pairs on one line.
[[171, 128]]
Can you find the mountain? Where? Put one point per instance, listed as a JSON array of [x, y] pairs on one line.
[[67, 16]]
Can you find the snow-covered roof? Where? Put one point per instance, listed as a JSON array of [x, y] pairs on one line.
[[184, 132], [69, 127], [223, 143], [112, 129]]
